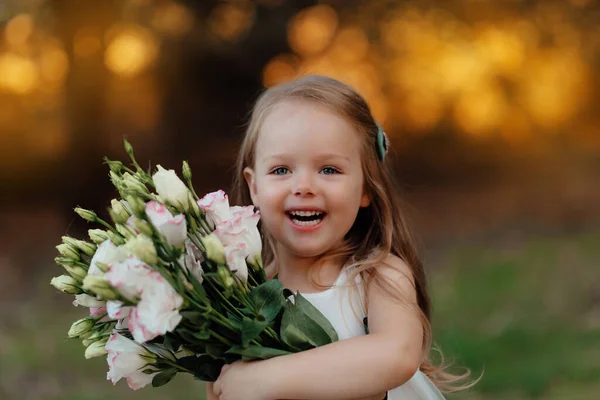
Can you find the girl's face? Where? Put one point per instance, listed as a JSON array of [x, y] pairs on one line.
[[307, 179]]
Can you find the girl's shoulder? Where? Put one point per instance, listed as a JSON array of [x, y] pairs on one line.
[[393, 276]]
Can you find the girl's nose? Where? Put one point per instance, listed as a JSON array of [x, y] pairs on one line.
[[303, 187]]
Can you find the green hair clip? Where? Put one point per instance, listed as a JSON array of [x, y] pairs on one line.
[[383, 144]]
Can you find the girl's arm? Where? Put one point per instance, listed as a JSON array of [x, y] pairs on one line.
[[358, 367], [210, 395]]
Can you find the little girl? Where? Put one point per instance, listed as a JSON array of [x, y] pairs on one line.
[[313, 162]]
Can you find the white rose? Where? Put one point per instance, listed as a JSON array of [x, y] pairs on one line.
[[174, 228], [171, 189], [126, 359], [216, 207], [115, 309], [236, 260], [242, 228], [129, 277], [107, 253], [87, 301], [157, 312]]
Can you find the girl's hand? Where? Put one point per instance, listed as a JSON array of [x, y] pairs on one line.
[[239, 381]]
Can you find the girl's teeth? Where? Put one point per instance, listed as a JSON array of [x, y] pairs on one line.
[[306, 223], [305, 213]]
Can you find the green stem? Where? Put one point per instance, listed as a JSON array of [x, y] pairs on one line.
[[107, 225], [216, 317], [219, 337], [234, 309], [177, 366]]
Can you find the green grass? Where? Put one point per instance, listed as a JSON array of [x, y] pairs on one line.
[[527, 315]]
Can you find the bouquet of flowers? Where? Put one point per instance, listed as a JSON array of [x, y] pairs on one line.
[[175, 283]]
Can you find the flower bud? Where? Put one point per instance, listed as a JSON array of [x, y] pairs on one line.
[[99, 286], [86, 214], [65, 261], [143, 248], [96, 349], [138, 206], [65, 284], [86, 247], [194, 208], [132, 184], [225, 277], [115, 179], [128, 147], [115, 166], [126, 231], [77, 272], [68, 251], [117, 212], [97, 235], [80, 326], [186, 171], [214, 248], [115, 238], [143, 226]]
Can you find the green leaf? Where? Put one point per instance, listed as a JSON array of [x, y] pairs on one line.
[[268, 299], [187, 335], [164, 377], [251, 329], [171, 342], [256, 352], [215, 350], [234, 319], [313, 313], [198, 288], [204, 367], [299, 330], [194, 317], [202, 335]]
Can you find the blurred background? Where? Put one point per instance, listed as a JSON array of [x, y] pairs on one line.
[[491, 108]]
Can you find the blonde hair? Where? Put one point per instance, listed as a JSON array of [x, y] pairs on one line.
[[379, 229]]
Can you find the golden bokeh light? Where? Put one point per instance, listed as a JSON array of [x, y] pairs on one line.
[[503, 49], [480, 109], [173, 19], [54, 65], [350, 45], [231, 21], [312, 30], [18, 30], [280, 69], [421, 109], [18, 74], [86, 42], [554, 87], [460, 67], [130, 51]]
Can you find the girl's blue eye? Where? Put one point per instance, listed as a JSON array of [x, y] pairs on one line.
[[329, 171], [280, 171]]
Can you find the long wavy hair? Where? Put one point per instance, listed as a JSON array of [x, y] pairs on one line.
[[379, 229]]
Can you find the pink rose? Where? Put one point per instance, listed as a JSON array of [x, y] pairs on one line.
[[216, 207], [174, 228], [127, 359]]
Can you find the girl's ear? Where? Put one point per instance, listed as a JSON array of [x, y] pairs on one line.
[[250, 178], [365, 200]]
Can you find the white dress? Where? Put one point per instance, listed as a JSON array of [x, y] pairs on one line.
[[335, 304]]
